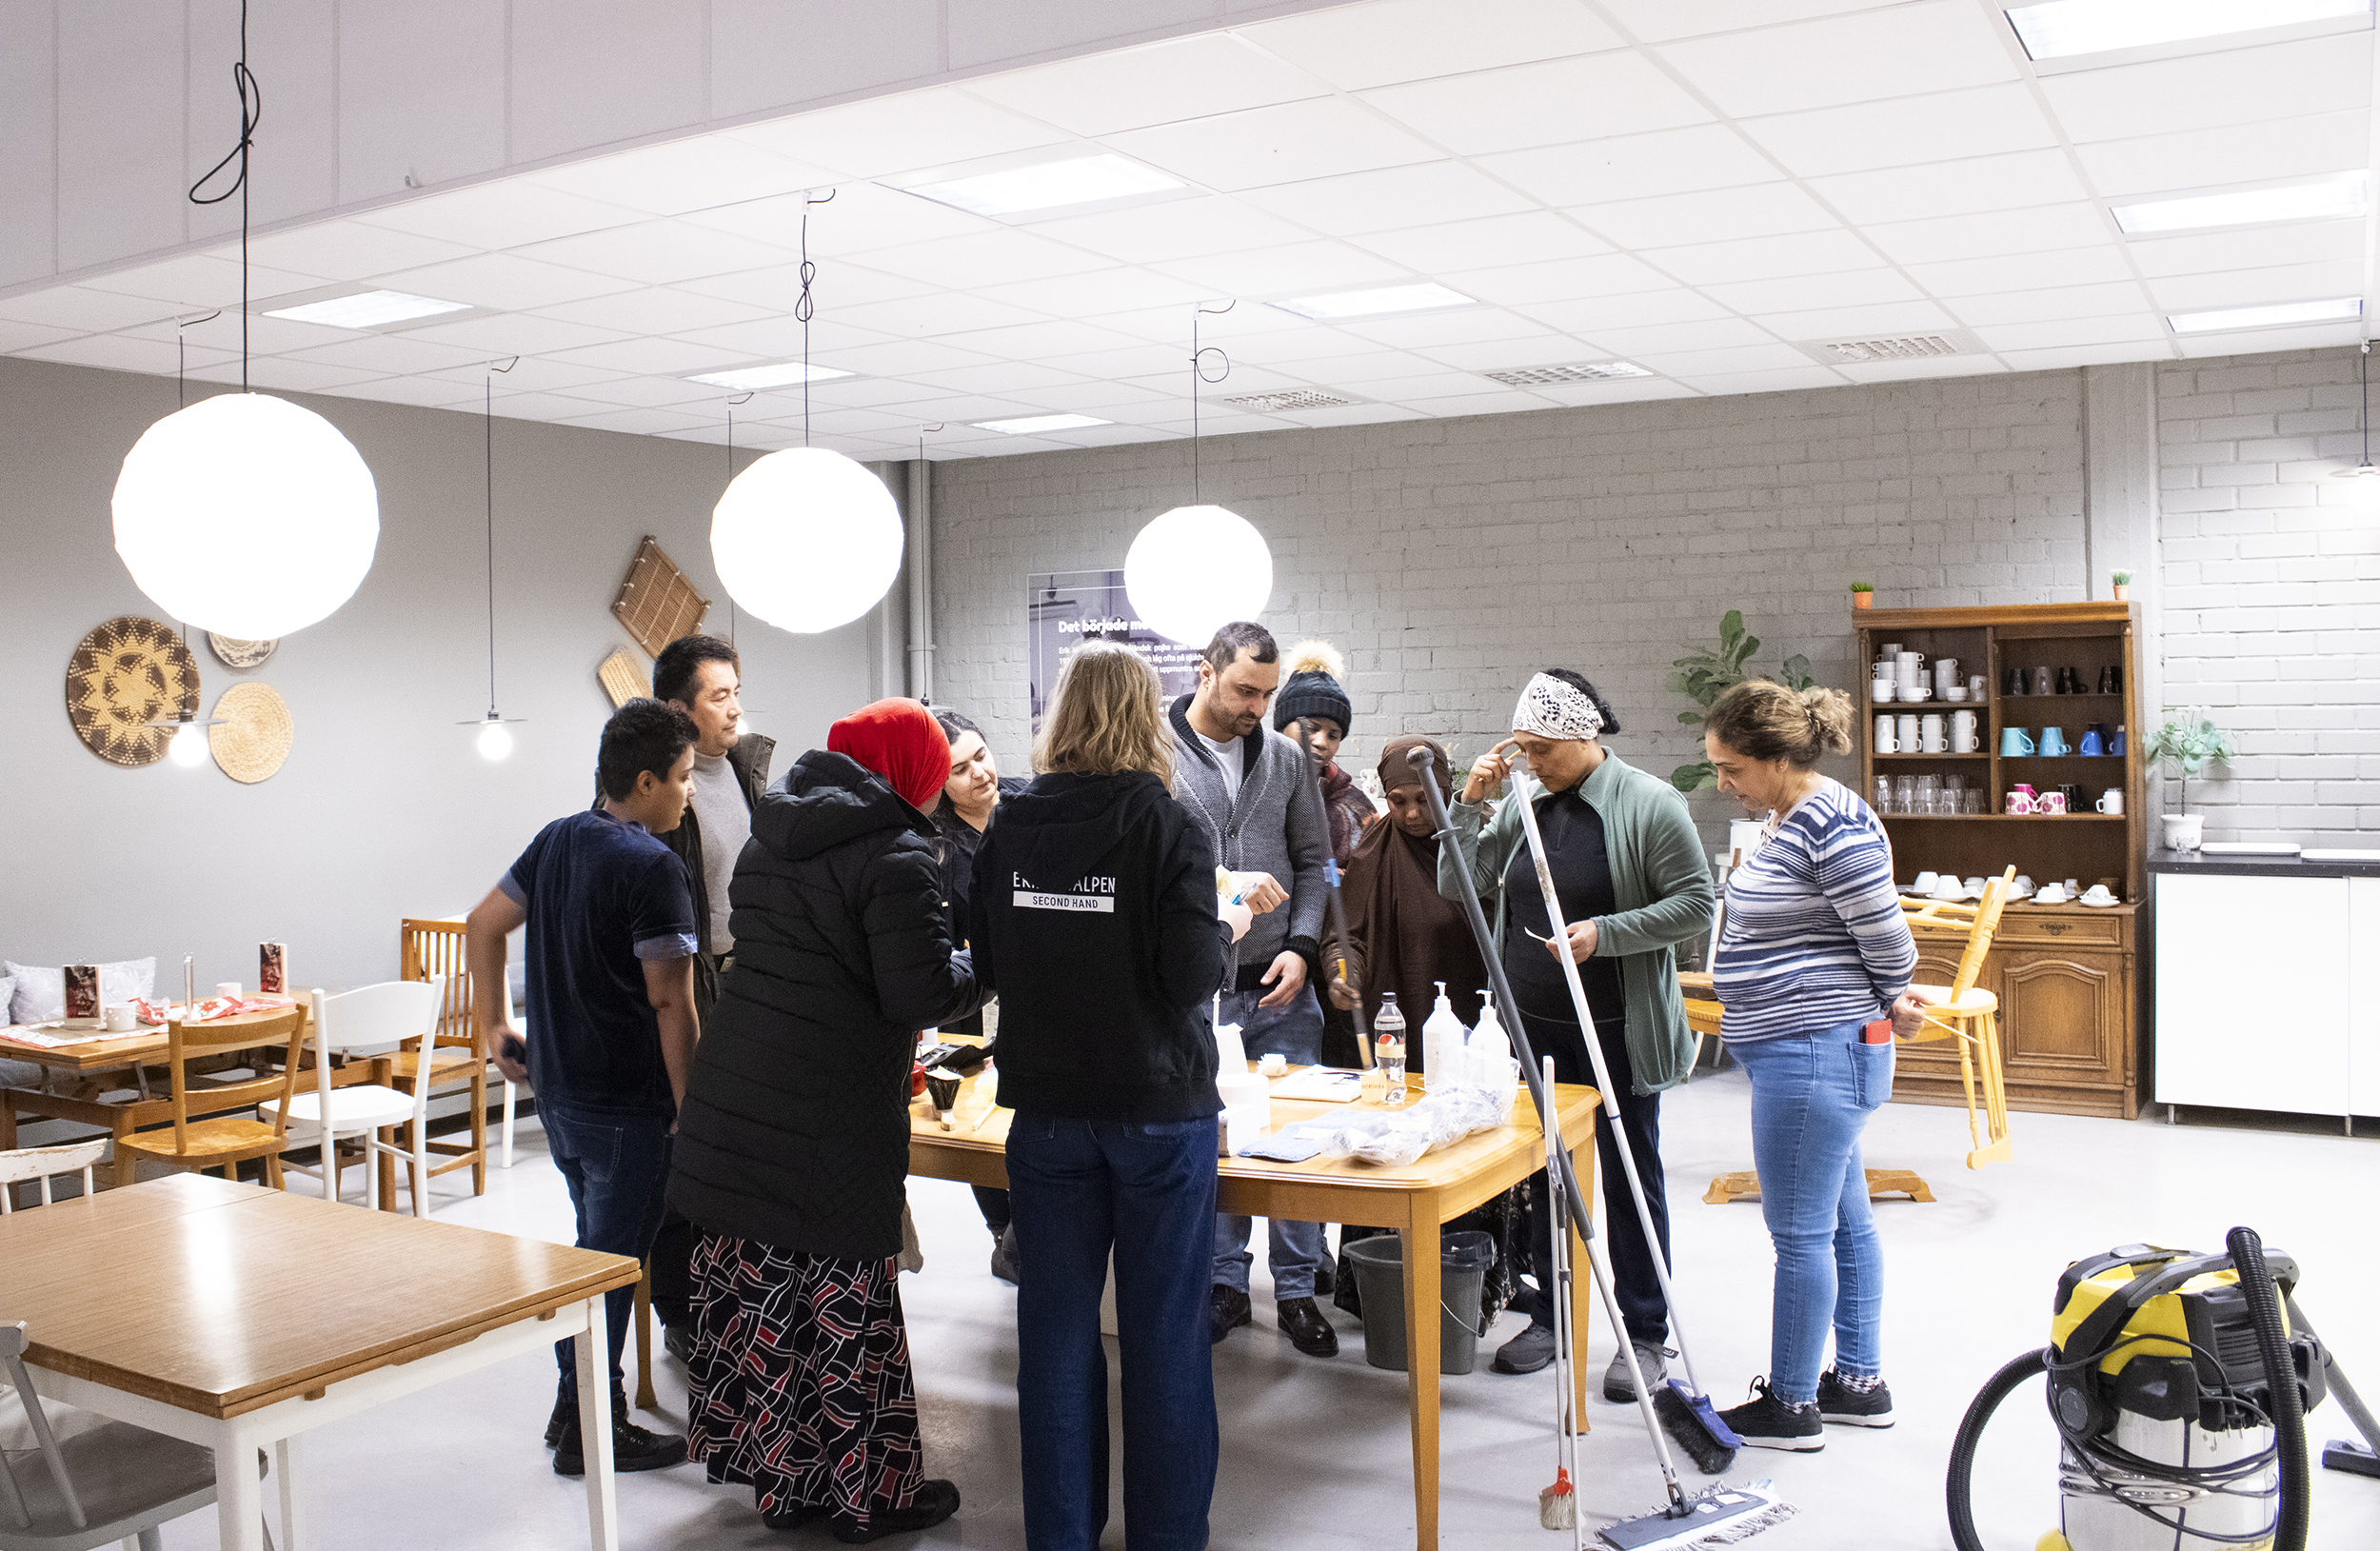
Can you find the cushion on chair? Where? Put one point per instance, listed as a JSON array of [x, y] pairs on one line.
[[37, 995]]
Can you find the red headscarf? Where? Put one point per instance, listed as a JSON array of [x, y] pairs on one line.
[[900, 740]]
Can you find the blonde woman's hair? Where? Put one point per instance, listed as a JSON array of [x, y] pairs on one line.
[[1109, 718], [1765, 721]]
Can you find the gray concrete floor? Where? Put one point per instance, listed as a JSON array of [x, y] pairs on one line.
[[1315, 1453]]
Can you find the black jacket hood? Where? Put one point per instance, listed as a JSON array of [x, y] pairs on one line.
[[1065, 825], [826, 800]]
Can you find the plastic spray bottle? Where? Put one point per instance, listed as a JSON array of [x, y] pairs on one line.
[[1489, 1047], [1388, 1048], [1442, 1045]]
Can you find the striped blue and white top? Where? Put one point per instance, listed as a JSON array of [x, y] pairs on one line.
[[1815, 937]]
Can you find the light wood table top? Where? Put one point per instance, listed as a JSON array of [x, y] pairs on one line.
[[184, 1289], [145, 1046]]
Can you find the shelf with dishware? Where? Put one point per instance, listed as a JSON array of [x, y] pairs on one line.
[[2065, 974]]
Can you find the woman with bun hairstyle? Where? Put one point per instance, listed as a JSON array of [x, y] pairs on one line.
[[1812, 958]]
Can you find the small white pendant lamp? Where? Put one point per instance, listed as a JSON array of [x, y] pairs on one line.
[[1197, 568], [495, 732]]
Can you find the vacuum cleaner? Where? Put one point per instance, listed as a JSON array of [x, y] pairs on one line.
[[2178, 1383]]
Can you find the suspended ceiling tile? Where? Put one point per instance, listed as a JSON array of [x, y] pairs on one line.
[[955, 408], [1293, 269], [903, 357], [1366, 374], [637, 422], [1979, 122], [582, 73], [839, 284], [1467, 326], [1436, 383], [1976, 185], [536, 406], [1786, 380], [1503, 401], [1893, 53], [84, 311], [262, 335], [196, 282], [498, 215], [389, 355], [935, 315], [2274, 152], [1870, 320], [2200, 91], [656, 393], [861, 392], [2050, 304], [2240, 287], [2066, 357], [1689, 365], [1635, 166], [900, 133], [1532, 236], [1307, 348], [1959, 237], [1547, 103], [656, 310], [784, 338], [2115, 328], [1766, 258], [17, 336], [1658, 21], [1677, 220], [1536, 349], [1041, 341], [681, 175], [1086, 398], [2305, 242], [658, 356], [1392, 198], [1176, 228], [533, 374], [421, 392], [1627, 390], [1564, 280], [506, 282], [1587, 318], [1170, 325], [1286, 144], [1100, 291], [1172, 361], [860, 218], [1350, 414], [1676, 338], [1005, 378], [1355, 46], [123, 352], [288, 375], [515, 333], [1799, 293], [657, 252], [1131, 88], [1922, 366], [2023, 272], [984, 258], [345, 250]]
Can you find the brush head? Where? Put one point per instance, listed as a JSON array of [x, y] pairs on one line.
[[1693, 1427], [1557, 1506]]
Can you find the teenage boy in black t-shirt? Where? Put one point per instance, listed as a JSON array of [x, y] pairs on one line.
[[612, 1025]]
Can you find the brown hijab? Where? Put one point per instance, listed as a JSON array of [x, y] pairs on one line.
[[1405, 935]]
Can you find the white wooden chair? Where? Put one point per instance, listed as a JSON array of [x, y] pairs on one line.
[[21, 1164], [100, 1481], [371, 1019]]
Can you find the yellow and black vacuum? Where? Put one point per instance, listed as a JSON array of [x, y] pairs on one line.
[[2178, 1383]]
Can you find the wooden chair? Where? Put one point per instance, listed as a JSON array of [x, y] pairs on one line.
[[1961, 1013], [224, 1140], [374, 1018], [21, 1164], [428, 949]]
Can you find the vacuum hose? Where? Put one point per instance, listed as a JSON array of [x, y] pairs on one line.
[[1961, 1483], [2288, 1407]]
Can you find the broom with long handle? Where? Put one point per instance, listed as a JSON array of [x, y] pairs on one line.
[[1686, 1411], [1557, 1506]]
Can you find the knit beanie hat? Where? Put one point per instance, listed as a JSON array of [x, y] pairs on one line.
[[1310, 688]]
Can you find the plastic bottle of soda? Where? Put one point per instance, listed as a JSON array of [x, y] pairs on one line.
[[1388, 1048]]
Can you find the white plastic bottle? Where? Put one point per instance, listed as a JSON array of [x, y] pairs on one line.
[[1442, 1040], [1488, 1053]]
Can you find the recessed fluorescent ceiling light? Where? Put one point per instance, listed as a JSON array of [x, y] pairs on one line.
[[2094, 26], [1039, 425], [2337, 309], [1045, 186], [1364, 304], [779, 375], [369, 310], [2327, 200]]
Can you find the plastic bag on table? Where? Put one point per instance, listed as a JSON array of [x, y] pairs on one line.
[[1396, 1137]]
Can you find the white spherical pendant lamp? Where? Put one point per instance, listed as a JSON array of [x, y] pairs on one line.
[[246, 515], [1196, 570], [806, 539]]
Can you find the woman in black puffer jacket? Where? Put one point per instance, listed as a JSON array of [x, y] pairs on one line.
[[793, 1143]]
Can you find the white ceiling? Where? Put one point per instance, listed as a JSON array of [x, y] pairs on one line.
[[1695, 186]]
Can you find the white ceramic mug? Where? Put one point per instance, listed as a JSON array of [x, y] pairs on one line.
[[1911, 670], [2112, 801], [1974, 686], [1926, 881], [1905, 734], [1930, 734], [227, 988], [2051, 801], [1885, 743], [2018, 803], [119, 1018], [1963, 739], [1945, 672], [1880, 691]]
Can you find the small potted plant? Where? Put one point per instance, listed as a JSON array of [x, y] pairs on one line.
[[1863, 594], [2123, 581], [2189, 743]]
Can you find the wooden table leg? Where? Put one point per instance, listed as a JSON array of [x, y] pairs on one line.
[[1581, 1285], [1421, 1359], [645, 1401], [127, 1162], [594, 1356]]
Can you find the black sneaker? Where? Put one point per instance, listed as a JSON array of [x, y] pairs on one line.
[[1766, 1422], [1837, 1402], [632, 1447], [1227, 1309], [1528, 1352], [935, 1501]]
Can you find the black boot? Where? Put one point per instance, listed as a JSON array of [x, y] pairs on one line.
[[632, 1447]]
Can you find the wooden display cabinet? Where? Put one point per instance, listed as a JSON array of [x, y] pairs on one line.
[[2066, 975]]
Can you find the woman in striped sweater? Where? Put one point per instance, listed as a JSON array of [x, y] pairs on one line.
[[1812, 961]]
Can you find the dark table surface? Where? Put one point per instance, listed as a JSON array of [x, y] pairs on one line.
[[2201, 865]]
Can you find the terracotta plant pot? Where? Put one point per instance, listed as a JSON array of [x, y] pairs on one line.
[[1863, 599], [2123, 591]]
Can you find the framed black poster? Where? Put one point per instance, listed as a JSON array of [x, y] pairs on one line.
[[1065, 609]]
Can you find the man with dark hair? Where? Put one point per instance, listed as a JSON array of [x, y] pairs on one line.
[[701, 676], [1242, 786], [611, 945]]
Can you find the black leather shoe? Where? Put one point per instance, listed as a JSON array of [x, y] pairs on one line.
[[1307, 1330], [1226, 1311], [935, 1501], [632, 1447], [1004, 1255]]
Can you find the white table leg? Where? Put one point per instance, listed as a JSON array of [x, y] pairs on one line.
[[603, 1506], [239, 1502], [285, 1453]]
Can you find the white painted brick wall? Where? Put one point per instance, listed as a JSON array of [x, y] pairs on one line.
[[1449, 559], [2272, 575]]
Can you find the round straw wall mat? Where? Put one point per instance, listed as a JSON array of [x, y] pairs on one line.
[[237, 654], [127, 673], [255, 734]]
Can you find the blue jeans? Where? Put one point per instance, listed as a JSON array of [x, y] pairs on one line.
[[1080, 1190], [617, 1165], [1810, 1098], [1296, 1249]]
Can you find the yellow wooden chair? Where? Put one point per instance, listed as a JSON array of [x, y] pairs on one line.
[[1960, 1011], [225, 1141]]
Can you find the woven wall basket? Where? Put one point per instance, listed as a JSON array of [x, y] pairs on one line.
[[128, 672], [256, 733]]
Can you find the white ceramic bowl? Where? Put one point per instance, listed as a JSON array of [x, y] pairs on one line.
[[1956, 692]]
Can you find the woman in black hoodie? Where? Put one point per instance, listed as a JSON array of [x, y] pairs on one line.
[[793, 1142], [1095, 916]]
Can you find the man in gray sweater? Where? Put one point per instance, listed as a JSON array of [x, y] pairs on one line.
[[1244, 787]]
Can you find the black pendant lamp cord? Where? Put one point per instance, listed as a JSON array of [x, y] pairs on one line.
[[488, 429], [251, 114], [182, 355], [1197, 375], [805, 306]]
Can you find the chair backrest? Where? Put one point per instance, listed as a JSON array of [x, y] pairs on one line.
[[188, 1043], [12, 1504], [22, 1163], [392, 1013], [1981, 921], [427, 948]]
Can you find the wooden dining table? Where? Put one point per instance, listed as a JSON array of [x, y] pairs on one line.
[[1413, 1199], [179, 1305]]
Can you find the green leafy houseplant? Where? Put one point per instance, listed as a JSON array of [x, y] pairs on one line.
[[2189, 743], [1864, 586], [1709, 672]]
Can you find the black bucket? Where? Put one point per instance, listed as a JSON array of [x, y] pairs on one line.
[[1379, 1262]]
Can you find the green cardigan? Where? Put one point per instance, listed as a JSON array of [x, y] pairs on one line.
[[1660, 879]]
